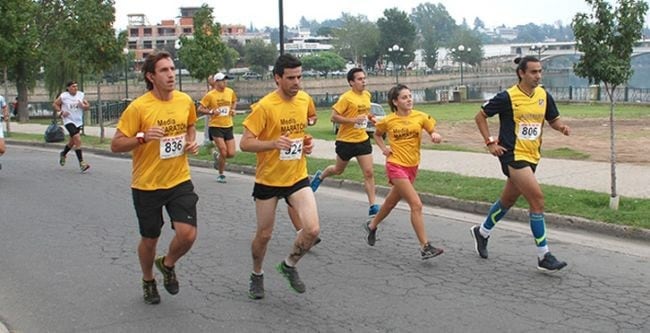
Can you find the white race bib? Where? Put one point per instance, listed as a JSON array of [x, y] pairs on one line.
[[529, 131], [223, 111], [363, 124], [293, 153], [172, 146]]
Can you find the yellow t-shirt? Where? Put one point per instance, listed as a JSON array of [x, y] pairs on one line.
[[159, 164], [221, 102], [350, 105], [405, 136], [271, 117]]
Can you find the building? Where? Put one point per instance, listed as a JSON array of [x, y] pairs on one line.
[[144, 38]]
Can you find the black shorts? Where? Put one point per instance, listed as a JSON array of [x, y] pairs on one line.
[[348, 150], [516, 165], [264, 192], [73, 129], [180, 202], [221, 132]]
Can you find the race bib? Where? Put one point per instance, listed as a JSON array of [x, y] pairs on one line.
[[223, 111], [363, 124], [529, 131], [172, 146], [293, 153]]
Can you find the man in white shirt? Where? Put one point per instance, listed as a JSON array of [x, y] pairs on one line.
[[70, 105]]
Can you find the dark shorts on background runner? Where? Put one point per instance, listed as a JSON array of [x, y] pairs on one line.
[[73, 129], [516, 165], [265, 192], [348, 150], [221, 132], [179, 201]]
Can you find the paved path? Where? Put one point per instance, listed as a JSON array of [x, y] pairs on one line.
[[633, 180]]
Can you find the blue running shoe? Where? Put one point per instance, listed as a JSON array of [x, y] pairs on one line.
[[315, 181], [374, 209]]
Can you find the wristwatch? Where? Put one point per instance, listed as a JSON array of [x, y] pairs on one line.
[[140, 137], [490, 140]]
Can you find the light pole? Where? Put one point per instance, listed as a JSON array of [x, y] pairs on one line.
[[126, 72], [177, 46], [460, 54], [395, 51], [540, 48]]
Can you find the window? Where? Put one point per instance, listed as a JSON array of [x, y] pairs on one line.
[[133, 32], [187, 30], [147, 44], [147, 32]]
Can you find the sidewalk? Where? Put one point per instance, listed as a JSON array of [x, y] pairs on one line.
[[632, 180]]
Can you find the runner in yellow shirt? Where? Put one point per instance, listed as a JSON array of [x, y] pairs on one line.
[[159, 128], [275, 131], [219, 105], [404, 128], [352, 112]]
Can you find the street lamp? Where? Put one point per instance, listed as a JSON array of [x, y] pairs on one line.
[[177, 46], [125, 51], [395, 52], [460, 54], [540, 48]]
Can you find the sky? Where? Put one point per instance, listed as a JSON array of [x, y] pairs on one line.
[[262, 13]]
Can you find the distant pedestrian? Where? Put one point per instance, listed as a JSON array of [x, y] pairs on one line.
[[71, 105], [522, 110], [15, 107], [159, 127], [220, 105], [404, 127], [275, 131], [352, 113], [5, 117]]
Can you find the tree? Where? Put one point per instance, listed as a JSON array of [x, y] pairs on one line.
[[395, 28], [260, 55], [91, 45], [606, 38], [435, 27], [470, 40], [204, 53], [323, 61], [20, 54], [357, 37]]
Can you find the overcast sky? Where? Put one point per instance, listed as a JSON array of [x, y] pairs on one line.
[[263, 13]]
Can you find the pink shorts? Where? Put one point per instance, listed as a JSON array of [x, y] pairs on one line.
[[395, 171]]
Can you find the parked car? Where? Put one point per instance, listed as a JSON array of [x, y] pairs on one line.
[[377, 110], [251, 76]]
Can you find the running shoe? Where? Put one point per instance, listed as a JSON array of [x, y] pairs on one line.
[[550, 264], [315, 181], [256, 286], [316, 242], [83, 166], [215, 158], [61, 159], [150, 292], [291, 273], [480, 242], [221, 179], [371, 235], [169, 276], [429, 251], [373, 210]]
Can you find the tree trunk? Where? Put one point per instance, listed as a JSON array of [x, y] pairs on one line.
[[614, 198], [22, 90]]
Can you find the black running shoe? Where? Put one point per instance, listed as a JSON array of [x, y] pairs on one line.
[[371, 237], [169, 276], [256, 286], [429, 251], [480, 242], [150, 291], [291, 273], [550, 263]]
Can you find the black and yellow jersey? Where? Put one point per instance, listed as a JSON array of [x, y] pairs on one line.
[[521, 118]]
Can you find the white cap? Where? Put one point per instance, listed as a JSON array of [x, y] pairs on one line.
[[220, 76]]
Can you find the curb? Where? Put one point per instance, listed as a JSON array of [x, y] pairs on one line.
[[474, 207]]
